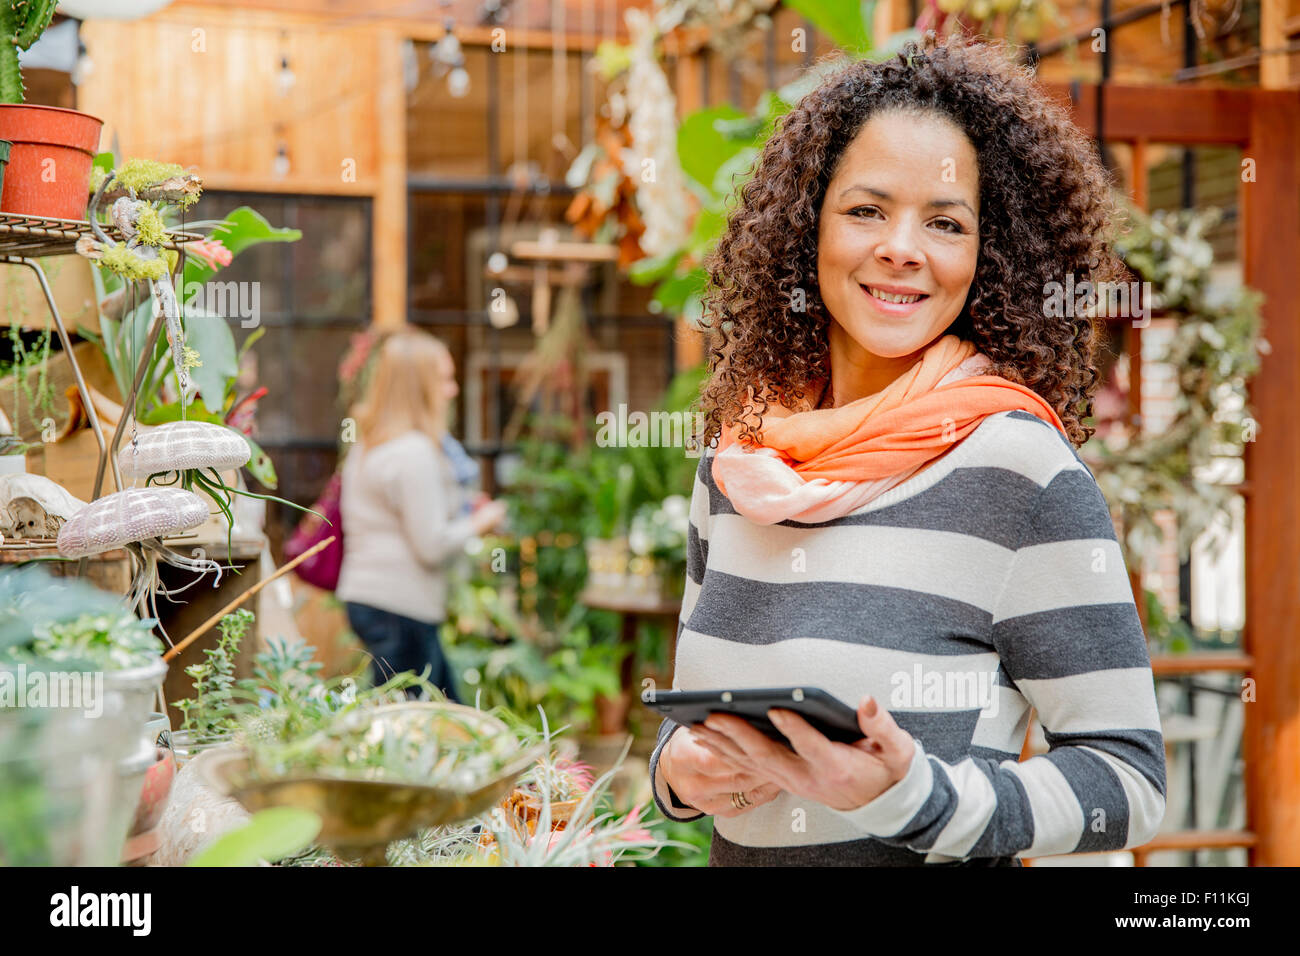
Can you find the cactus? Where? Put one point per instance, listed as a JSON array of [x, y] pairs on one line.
[[21, 23]]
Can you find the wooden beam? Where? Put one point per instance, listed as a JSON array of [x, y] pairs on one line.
[[688, 344], [313, 185], [1273, 67], [1163, 114], [889, 17], [296, 14], [1187, 840], [389, 210], [1270, 230], [1171, 665]]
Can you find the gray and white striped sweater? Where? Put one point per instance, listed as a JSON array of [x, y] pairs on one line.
[[988, 583]]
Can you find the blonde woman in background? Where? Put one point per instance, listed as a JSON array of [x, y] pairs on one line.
[[404, 514]]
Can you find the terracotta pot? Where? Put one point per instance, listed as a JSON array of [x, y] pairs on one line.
[[49, 164], [153, 795], [611, 713], [561, 810]]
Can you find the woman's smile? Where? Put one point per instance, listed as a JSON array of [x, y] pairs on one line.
[[892, 304]]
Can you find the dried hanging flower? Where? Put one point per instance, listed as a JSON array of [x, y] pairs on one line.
[[661, 185]]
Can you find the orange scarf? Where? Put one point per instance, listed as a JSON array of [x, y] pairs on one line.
[[821, 464]]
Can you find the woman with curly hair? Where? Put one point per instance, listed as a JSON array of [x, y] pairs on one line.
[[891, 507]]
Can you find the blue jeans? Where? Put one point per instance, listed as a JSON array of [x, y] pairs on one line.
[[398, 644]]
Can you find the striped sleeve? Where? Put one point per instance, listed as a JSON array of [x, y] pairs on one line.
[[697, 553], [1067, 631]]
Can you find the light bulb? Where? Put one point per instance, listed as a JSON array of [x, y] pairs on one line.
[[458, 82], [505, 317], [286, 79], [280, 167]]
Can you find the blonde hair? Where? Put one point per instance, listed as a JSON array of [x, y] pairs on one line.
[[407, 390]]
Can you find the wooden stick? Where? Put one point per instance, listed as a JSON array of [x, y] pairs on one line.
[[194, 634]]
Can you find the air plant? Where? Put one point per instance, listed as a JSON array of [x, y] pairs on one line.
[[192, 455], [142, 188], [588, 836], [361, 743], [137, 519]]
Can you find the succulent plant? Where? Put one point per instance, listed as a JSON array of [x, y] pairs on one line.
[[21, 22]]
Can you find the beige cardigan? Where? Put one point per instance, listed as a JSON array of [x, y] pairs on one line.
[[402, 526]]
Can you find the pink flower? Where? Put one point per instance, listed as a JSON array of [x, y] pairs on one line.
[[357, 355], [211, 251], [638, 835], [580, 773]]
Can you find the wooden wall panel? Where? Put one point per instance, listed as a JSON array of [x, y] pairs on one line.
[[201, 88]]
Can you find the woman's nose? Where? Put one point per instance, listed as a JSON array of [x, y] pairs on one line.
[[899, 247]]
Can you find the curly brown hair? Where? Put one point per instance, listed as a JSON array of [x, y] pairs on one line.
[[1046, 201]]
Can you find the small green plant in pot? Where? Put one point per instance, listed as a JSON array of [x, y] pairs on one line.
[[209, 716]]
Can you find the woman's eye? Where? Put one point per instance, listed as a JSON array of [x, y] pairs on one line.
[[948, 225]]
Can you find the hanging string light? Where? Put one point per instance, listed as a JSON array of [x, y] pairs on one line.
[[280, 165], [449, 58], [285, 79]]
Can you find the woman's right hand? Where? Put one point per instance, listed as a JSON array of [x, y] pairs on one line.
[[487, 516], [706, 781]]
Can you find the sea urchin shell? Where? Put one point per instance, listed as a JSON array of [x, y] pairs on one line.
[[181, 446]]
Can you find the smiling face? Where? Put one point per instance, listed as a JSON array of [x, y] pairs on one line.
[[900, 222]]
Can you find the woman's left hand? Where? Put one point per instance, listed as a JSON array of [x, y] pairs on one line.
[[841, 776]]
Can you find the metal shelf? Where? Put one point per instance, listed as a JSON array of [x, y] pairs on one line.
[[36, 237], [24, 240]]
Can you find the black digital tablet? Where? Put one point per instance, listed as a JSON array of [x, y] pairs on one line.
[[830, 715]]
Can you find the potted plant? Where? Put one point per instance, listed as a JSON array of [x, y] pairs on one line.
[[87, 764], [607, 552], [658, 544], [42, 137]]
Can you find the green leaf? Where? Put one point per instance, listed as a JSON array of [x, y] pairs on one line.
[[260, 466], [252, 340], [675, 293], [268, 835], [844, 21], [731, 175], [171, 412], [647, 270], [702, 148], [210, 336], [241, 228]]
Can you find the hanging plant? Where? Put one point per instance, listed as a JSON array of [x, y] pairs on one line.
[[192, 455], [142, 187], [137, 519], [1214, 351]]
